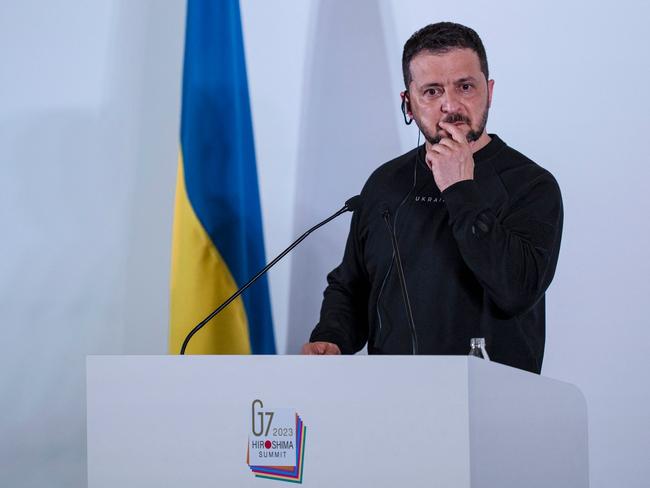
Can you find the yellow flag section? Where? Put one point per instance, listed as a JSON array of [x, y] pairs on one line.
[[200, 281]]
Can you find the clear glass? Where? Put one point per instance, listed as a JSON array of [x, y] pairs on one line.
[[477, 348]]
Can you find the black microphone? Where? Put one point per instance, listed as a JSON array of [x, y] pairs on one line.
[[350, 206], [402, 282]]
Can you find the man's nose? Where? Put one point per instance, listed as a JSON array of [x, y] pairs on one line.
[[449, 102]]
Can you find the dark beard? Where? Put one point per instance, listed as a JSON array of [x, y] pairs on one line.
[[472, 135]]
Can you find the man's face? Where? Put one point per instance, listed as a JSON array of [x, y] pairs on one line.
[[449, 87]]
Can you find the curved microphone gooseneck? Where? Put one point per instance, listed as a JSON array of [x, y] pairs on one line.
[[350, 206]]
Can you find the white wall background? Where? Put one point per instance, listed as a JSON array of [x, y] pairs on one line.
[[90, 98]]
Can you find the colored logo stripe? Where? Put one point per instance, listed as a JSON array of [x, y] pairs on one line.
[[291, 474]]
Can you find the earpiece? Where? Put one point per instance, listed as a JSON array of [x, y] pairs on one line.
[[406, 107]]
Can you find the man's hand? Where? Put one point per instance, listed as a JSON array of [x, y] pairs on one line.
[[320, 348], [450, 160]]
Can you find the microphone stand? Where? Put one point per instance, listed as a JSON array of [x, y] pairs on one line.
[[350, 205], [402, 283]]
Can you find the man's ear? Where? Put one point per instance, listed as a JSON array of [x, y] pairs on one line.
[[406, 103], [490, 87], [406, 107]]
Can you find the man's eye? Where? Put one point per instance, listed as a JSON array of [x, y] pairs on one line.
[[432, 91], [466, 87]]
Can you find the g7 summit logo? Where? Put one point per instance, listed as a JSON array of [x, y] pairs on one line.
[[276, 443]]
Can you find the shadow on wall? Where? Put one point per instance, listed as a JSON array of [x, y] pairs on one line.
[[63, 271], [348, 128], [87, 208]]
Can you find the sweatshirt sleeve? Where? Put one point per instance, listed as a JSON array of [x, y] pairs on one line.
[[344, 313], [514, 254]]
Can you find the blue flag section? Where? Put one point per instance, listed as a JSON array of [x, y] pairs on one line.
[[218, 239]]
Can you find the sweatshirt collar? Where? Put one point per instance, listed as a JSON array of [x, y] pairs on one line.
[[490, 149]]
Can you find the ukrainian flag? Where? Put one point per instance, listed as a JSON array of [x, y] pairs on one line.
[[217, 235]]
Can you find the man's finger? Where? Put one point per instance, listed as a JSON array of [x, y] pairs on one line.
[[446, 142], [434, 157], [332, 349], [320, 348], [456, 134], [438, 149], [443, 147]]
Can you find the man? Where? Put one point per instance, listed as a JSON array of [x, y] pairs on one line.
[[478, 226]]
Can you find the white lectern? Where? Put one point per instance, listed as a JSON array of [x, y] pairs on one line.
[[375, 421]]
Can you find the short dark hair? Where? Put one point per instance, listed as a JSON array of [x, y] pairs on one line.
[[441, 38]]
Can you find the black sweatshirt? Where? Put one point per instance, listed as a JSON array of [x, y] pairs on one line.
[[477, 260]]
